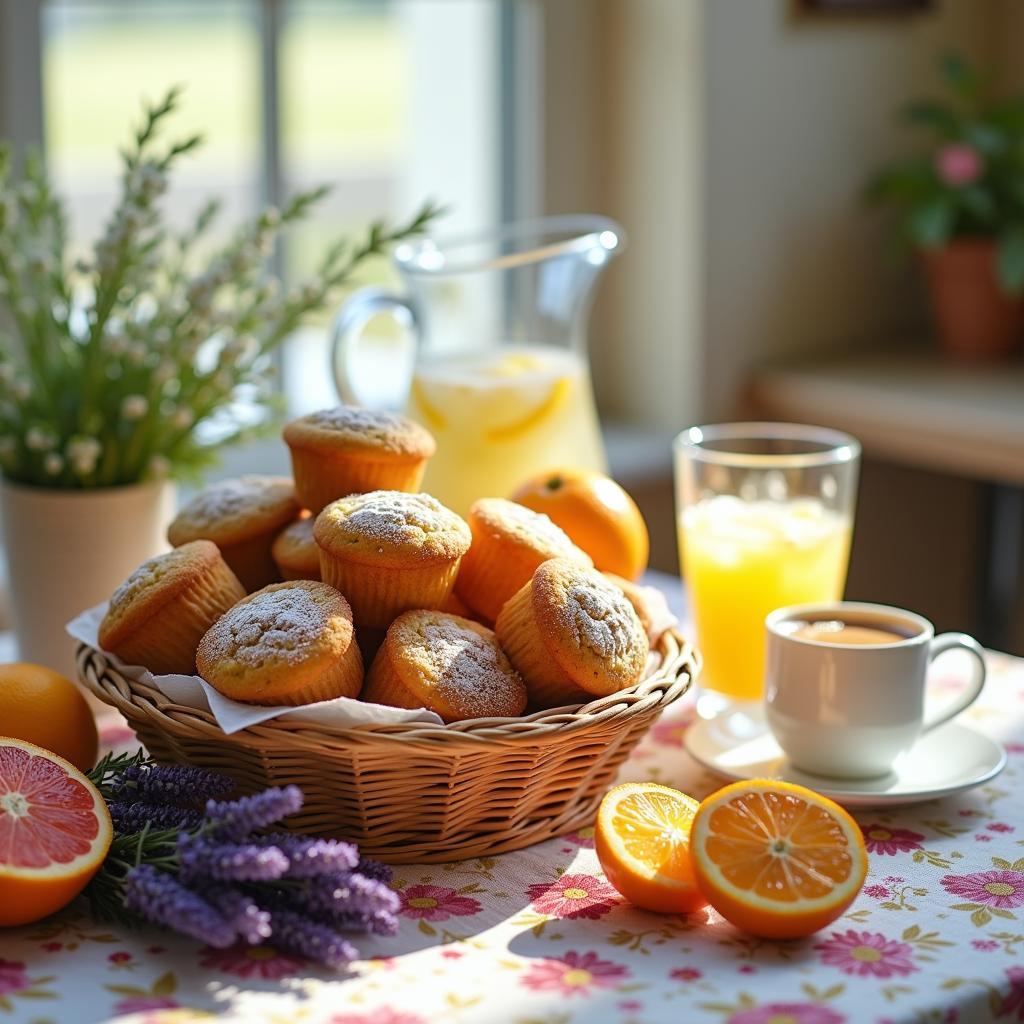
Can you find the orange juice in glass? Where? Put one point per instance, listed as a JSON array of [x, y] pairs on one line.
[[765, 516], [500, 375]]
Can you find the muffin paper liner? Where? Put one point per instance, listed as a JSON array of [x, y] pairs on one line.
[[232, 715]]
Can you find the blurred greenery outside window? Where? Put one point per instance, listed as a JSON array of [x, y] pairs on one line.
[[389, 101]]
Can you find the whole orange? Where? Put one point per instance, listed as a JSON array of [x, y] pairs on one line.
[[43, 707], [596, 513]]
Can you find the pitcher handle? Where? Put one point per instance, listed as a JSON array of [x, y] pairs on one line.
[[347, 329], [952, 642]]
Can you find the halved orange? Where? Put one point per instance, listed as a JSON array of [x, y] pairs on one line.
[[54, 832], [642, 839], [777, 860]]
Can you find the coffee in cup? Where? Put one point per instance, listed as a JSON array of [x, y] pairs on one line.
[[845, 684]]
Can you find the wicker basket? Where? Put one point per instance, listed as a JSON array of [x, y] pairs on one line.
[[418, 793]]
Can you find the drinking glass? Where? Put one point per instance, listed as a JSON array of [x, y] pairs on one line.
[[765, 515]]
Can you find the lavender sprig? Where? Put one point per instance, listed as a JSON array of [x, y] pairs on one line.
[[131, 817], [175, 784], [201, 858], [251, 924], [375, 869], [308, 858], [159, 898], [235, 819], [297, 934]]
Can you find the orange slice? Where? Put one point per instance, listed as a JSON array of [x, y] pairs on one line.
[[54, 832], [777, 860], [555, 398], [643, 843]]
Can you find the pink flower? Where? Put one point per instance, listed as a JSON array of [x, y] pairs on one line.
[[1014, 748], [631, 1004], [791, 1013], [251, 961], [981, 837], [574, 896], [747, 969], [451, 954], [52, 947], [1014, 1000], [893, 880], [867, 954], [139, 1004], [985, 945], [572, 974], [877, 892], [1004, 889], [958, 164], [120, 957], [582, 837], [999, 826], [12, 977], [685, 974], [382, 1015], [436, 903], [890, 841]]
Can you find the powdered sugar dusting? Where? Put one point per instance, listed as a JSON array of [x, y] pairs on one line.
[[149, 574], [468, 668], [280, 623], [229, 499], [602, 618], [354, 418]]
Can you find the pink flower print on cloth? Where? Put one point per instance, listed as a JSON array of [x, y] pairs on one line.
[[1014, 1001], [574, 896], [867, 954], [13, 977], [890, 841], [787, 1013], [573, 974], [583, 837], [435, 903], [1000, 888], [251, 961], [382, 1015]]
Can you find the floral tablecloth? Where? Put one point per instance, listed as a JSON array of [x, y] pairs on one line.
[[539, 937]]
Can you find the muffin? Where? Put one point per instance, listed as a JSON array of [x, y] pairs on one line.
[[289, 643], [509, 542], [295, 552], [649, 604], [159, 614], [572, 635], [446, 664], [389, 551], [349, 450], [242, 517]]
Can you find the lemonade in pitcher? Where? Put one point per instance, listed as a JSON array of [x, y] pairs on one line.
[[501, 416]]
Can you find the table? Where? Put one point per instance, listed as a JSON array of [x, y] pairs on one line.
[[539, 937]]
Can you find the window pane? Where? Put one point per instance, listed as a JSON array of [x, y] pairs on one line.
[[100, 60]]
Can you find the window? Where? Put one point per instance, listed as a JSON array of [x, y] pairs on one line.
[[387, 100]]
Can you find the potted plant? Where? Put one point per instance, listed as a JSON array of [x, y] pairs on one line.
[[126, 370], [961, 199]]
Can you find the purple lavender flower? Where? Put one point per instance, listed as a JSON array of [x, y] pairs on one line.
[[311, 857], [381, 923], [130, 818], [352, 902], [241, 912], [175, 783], [160, 898], [375, 869], [297, 934], [204, 858], [235, 819]]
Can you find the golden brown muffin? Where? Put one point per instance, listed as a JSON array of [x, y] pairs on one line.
[[389, 551], [572, 635], [289, 643], [295, 552], [649, 604], [159, 614], [242, 517], [350, 450], [447, 664], [509, 542]]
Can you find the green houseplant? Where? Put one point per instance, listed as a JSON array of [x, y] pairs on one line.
[[127, 369], [960, 198]]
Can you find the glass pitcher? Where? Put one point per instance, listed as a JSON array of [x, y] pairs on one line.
[[499, 374]]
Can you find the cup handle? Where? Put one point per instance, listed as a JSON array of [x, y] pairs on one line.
[[949, 642], [348, 326]]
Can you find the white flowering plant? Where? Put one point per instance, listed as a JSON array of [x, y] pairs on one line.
[[143, 360]]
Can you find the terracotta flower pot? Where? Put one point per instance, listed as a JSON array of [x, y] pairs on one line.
[[975, 318]]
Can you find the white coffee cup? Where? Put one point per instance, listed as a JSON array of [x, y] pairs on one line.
[[851, 710]]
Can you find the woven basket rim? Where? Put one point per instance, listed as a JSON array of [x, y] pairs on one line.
[[680, 663]]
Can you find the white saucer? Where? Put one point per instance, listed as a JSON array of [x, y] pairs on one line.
[[738, 745]]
